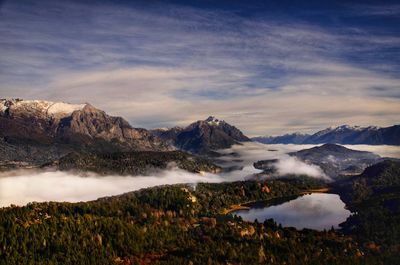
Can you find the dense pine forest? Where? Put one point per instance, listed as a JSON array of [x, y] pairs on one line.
[[132, 163], [187, 224]]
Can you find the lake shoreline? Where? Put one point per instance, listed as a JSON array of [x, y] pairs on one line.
[[318, 211], [244, 206]]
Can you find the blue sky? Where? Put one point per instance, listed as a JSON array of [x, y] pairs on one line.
[[268, 68]]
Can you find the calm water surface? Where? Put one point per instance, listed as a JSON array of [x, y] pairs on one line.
[[315, 211]]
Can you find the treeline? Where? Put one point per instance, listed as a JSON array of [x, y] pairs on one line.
[[132, 163]]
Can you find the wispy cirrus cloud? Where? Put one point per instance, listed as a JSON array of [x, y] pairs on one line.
[[167, 64]]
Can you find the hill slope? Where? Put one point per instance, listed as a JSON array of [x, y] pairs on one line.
[[334, 160], [337, 160], [374, 197]]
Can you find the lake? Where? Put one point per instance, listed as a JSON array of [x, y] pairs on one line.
[[317, 211]]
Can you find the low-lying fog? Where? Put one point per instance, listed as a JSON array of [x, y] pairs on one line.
[[21, 187], [28, 186]]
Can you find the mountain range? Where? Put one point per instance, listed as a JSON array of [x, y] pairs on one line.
[[344, 134], [36, 133]]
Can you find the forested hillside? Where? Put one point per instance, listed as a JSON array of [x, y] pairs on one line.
[[170, 225]]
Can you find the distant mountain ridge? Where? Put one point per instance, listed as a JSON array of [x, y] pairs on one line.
[[203, 136], [292, 138], [344, 134]]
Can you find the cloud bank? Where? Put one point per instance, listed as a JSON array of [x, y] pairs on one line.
[[252, 152], [29, 186], [291, 165], [21, 187], [381, 150]]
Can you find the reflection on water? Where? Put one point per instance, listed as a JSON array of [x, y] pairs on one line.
[[315, 211]]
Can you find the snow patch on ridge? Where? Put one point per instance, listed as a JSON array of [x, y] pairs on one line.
[[213, 121], [47, 107], [65, 108]]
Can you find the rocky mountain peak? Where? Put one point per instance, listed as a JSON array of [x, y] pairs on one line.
[[211, 120], [42, 123], [203, 136], [347, 127]]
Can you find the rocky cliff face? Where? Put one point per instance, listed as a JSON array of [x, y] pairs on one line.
[[203, 136], [51, 129], [90, 125], [169, 136]]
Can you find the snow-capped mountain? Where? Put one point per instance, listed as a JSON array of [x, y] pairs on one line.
[[203, 136], [344, 134], [42, 129]]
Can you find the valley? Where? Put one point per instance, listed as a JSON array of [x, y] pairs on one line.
[[199, 132], [204, 184], [180, 223]]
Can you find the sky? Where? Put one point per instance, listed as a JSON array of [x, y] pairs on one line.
[[267, 67]]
